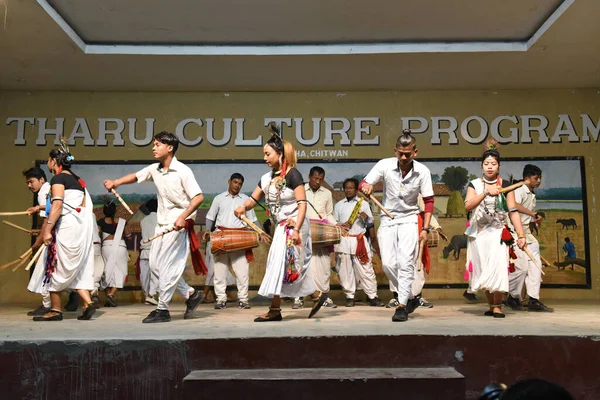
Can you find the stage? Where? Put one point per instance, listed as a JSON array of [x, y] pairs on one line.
[[116, 356]]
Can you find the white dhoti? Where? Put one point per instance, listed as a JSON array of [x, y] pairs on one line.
[[350, 270], [272, 283], [488, 261], [36, 282], [238, 262], [320, 268], [526, 273], [148, 280], [168, 255], [419, 281], [98, 266], [399, 246], [115, 267]]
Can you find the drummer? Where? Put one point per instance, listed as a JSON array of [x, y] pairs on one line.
[[354, 253], [320, 207], [221, 215]]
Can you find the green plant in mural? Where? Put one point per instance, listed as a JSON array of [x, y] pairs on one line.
[[456, 205]]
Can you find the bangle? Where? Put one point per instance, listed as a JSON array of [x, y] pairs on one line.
[[50, 222], [521, 235], [427, 230]]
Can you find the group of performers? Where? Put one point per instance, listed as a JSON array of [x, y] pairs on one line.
[[75, 258]]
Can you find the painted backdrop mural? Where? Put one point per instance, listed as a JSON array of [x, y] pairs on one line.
[[560, 199]]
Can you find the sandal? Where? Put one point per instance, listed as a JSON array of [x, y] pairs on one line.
[[58, 316], [318, 303], [87, 312], [266, 318], [498, 314]]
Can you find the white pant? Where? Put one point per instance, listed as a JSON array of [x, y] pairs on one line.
[[238, 262], [115, 272], [148, 280], [168, 255], [320, 269], [399, 246], [98, 266], [526, 273], [352, 273]]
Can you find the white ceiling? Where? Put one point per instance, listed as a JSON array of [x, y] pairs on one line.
[[37, 54]]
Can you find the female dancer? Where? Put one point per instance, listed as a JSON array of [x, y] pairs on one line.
[[489, 243], [68, 234], [287, 272]]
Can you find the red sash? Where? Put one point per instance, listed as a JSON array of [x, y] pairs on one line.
[[361, 249], [197, 260]]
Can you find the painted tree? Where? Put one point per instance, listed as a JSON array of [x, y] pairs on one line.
[[435, 178], [455, 177]]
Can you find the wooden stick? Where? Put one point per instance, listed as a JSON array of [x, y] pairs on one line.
[[511, 187], [26, 254], [17, 227], [19, 265], [253, 225], [5, 214], [35, 257], [113, 191], [544, 260], [526, 250], [18, 260], [159, 235], [378, 204]]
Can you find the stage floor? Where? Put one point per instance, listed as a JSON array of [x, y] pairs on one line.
[[448, 318]]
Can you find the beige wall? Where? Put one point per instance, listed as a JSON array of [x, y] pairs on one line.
[[169, 109]]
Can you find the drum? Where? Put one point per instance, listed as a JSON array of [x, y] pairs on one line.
[[324, 234], [232, 240], [433, 238]]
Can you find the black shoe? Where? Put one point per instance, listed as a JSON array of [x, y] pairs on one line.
[[400, 315], [498, 315], [57, 317], [350, 302], [157, 316], [110, 301], [514, 303], [536, 305], [88, 312], [375, 302], [489, 313], [470, 296], [413, 304], [192, 303], [220, 305], [41, 310], [244, 305], [96, 300], [317, 304], [73, 302], [275, 318]]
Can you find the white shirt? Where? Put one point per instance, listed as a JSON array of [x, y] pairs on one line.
[[41, 198], [400, 195], [343, 210], [148, 225], [221, 211], [322, 200], [526, 198], [175, 188]]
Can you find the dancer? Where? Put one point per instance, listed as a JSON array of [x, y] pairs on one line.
[[526, 272], [178, 197], [353, 253], [404, 179], [287, 272], [490, 242], [148, 280]]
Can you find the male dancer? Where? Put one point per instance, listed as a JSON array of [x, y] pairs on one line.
[[526, 273], [221, 215], [148, 280], [178, 197], [320, 206], [404, 179]]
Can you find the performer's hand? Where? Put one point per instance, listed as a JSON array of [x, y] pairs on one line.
[[206, 235], [295, 236], [108, 184], [265, 238], [521, 243], [492, 190], [179, 224], [240, 211], [366, 189], [47, 237], [33, 210], [363, 215], [345, 227], [538, 219], [423, 236]]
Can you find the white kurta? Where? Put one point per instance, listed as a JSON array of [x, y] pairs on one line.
[[487, 256], [272, 283]]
